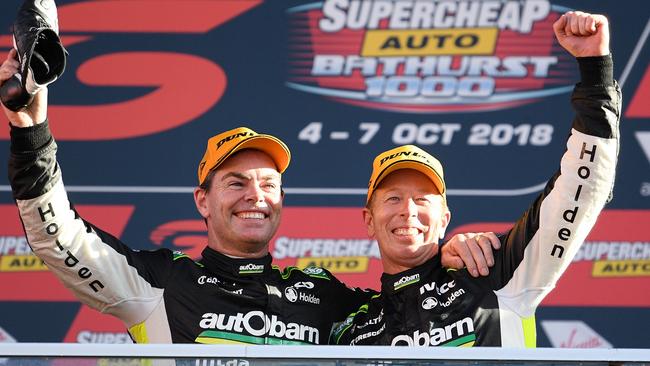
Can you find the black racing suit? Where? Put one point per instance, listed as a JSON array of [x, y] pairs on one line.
[[432, 306], [164, 296]]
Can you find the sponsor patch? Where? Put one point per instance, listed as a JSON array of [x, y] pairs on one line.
[[406, 280], [254, 327], [306, 284], [457, 334], [429, 303], [293, 295], [251, 268]]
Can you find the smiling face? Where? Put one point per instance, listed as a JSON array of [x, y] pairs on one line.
[[242, 204], [407, 216]]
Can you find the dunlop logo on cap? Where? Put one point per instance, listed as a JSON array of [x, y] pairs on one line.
[[411, 154], [235, 136]]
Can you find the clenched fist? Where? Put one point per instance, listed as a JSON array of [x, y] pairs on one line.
[[583, 34]]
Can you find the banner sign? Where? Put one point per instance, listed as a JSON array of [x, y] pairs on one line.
[[482, 85]]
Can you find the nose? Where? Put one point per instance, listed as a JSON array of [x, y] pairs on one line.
[[410, 209], [254, 192]]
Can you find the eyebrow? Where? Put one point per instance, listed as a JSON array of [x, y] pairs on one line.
[[247, 177], [236, 175], [419, 192]]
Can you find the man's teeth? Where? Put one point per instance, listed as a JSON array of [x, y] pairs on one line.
[[405, 231], [250, 215]]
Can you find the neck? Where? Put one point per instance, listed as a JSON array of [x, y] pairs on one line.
[[397, 265], [239, 250], [238, 253]]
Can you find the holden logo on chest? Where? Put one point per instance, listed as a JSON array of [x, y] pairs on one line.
[[294, 295]]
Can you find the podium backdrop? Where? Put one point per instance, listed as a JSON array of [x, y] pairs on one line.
[[482, 85]]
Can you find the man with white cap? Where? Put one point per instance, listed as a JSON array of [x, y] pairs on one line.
[[424, 304]]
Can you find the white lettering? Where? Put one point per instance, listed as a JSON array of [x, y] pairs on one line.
[[14, 245], [406, 280], [518, 16], [440, 66], [363, 336], [436, 336], [257, 324], [286, 247], [103, 337], [613, 250]]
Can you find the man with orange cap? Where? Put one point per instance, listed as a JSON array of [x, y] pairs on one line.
[[424, 304]]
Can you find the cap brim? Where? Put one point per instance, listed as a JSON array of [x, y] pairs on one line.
[[410, 164], [268, 144]]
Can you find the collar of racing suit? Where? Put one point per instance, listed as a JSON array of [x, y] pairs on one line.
[[219, 262], [412, 277]]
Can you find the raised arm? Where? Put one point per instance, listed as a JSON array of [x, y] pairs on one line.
[[99, 269], [539, 248]]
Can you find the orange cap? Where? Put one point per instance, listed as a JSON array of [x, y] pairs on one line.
[[223, 145], [406, 157]]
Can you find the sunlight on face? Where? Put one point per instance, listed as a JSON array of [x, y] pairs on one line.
[[407, 215], [243, 205]]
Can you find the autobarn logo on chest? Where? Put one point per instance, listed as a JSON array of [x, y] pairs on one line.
[[264, 328], [406, 280], [459, 333], [251, 268]]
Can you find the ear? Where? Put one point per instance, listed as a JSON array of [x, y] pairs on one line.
[[444, 223], [368, 220], [201, 201]]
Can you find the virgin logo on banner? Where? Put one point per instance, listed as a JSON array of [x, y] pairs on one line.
[[573, 334]]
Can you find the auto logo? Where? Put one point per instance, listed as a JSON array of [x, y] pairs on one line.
[[429, 303], [291, 294]]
